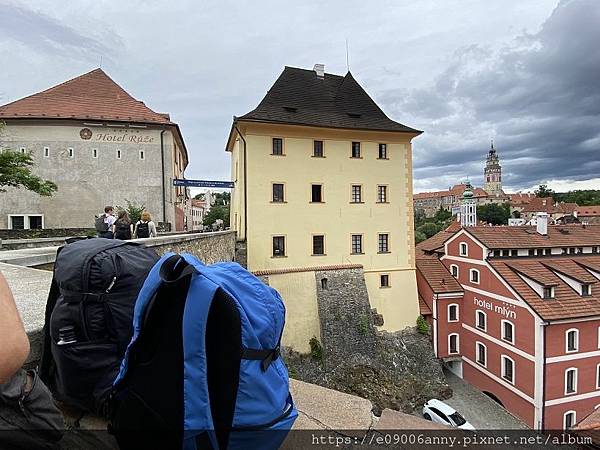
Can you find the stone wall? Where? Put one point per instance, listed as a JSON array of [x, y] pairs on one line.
[[208, 247], [46, 233]]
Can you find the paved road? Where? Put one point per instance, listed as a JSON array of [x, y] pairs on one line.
[[478, 408]]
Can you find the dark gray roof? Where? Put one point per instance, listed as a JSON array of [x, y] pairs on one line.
[[299, 97]]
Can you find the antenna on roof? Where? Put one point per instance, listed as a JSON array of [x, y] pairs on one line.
[[347, 58]]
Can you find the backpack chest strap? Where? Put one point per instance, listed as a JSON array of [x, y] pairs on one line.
[[266, 356]]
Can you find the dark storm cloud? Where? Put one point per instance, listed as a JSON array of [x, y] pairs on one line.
[[40, 32], [539, 97]]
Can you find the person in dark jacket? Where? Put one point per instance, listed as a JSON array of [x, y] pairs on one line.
[[122, 228]]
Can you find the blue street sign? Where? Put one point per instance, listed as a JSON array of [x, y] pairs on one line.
[[203, 183]]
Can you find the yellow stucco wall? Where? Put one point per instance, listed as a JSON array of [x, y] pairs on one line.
[[298, 219], [299, 293]]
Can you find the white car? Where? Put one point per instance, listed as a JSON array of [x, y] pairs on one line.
[[439, 412]]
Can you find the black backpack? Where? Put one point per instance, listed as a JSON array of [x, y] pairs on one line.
[[122, 230], [88, 317], [143, 230], [100, 224]]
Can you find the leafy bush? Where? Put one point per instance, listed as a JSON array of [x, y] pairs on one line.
[[422, 325], [316, 349]]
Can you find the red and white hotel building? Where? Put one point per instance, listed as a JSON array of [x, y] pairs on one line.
[[515, 311]]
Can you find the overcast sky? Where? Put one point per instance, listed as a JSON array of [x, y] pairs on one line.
[[525, 73]]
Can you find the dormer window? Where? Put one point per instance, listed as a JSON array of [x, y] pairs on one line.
[[548, 292], [464, 249], [586, 290]]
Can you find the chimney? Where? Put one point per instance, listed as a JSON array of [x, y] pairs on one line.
[[575, 213], [319, 70], [542, 223]]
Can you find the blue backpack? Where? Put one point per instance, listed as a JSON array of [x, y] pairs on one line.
[[203, 368]]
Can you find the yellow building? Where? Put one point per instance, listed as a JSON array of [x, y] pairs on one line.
[[324, 178]]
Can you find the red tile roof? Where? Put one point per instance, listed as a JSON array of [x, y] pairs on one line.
[[520, 198], [548, 205], [437, 276], [567, 303], [424, 309], [588, 211], [505, 237], [92, 96]]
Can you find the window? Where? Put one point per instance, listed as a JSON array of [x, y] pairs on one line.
[[569, 420], [453, 313], [505, 252], [586, 290], [278, 196], [355, 150], [384, 280], [142, 154], [318, 149], [118, 154], [357, 243], [454, 270], [94, 153], [277, 146], [318, 244], [481, 354], [383, 151], [17, 222], [548, 292], [278, 246], [453, 343], [480, 320], [381, 194], [26, 222], [383, 243], [71, 152], [508, 331], [598, 376], [23, 150], [570, 380], [46, 152], [356, 193], [508, 369], [514, 253], [474, 276], [316, 195], [547, 251], [572, 340], [464, 249]]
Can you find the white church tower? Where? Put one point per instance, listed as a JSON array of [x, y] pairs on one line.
[[468, 208]]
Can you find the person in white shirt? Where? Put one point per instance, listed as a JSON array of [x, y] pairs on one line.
[[145, 228], [105, 222]]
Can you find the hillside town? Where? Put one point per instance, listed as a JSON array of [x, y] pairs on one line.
[[148, 302]]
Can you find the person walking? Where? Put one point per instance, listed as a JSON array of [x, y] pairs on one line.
[[122, 228], [145, 228], [104, 223]]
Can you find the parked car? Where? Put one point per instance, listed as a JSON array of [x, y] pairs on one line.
[[439, 412]]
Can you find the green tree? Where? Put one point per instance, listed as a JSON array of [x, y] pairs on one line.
[[584, 197], [15, 171], [429, 229], [442, 215], [134, 210], [222, 198], [200, 196], [494, 213], [215, 213], [419, 236], [543, 191]]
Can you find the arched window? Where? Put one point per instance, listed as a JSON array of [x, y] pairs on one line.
[[474, 276], [481, 353], [464, 249], [453, 343], [453, 312], [572, 340], [481, 320], [454, 270], [508, 369], [508, 331], [569, 418], [571, 380]]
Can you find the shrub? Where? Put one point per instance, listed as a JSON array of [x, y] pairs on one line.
[[316, 349], [422, 325]]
